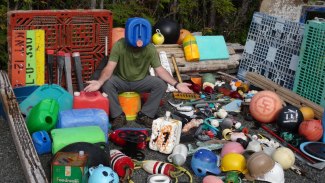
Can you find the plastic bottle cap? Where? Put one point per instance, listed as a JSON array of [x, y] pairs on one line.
[[81, 153], [104, 94], [167, 113], [75, 54], [77, 94]]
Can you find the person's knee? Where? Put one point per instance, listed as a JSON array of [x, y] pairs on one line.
[[161, 84], [108, 86]]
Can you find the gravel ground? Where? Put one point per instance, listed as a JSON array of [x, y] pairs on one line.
[[11, 170]]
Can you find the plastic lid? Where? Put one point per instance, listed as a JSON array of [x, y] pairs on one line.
[[167, 113], [76, 54], [77, 94], [81, 153], [50, 52], [60, 53], [104, 94]]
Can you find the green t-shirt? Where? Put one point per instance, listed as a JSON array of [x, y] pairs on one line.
[[133, 63]]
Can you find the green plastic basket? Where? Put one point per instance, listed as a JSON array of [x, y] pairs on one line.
[[310, 75]]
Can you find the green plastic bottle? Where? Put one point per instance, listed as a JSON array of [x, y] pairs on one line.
[[43, 116]]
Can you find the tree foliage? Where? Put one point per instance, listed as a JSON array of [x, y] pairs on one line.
[[230, 18]]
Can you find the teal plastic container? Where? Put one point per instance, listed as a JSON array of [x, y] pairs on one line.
[[52, 91], [84, 117], [138, 32], [43, 116], [62, 137]]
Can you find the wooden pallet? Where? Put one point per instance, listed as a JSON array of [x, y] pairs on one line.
[[202, 66], [284, 93]]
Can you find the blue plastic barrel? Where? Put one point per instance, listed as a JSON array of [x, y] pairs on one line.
[[138, 32], [84, 117]]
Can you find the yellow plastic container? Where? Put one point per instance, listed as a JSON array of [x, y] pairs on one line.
[[130, 103], [191, 49]]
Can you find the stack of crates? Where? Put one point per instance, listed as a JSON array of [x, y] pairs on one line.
[[272, 49], [310, 76]]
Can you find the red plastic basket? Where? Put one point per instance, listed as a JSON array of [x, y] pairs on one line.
[[81, 31]]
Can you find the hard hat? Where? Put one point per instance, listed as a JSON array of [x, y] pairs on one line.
[[233, 162], [275, 175], [231, 147], [258, 164], [102, 174], [284, 156], [204, 162]]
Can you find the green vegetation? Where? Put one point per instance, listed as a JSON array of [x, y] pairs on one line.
[[230, 18]]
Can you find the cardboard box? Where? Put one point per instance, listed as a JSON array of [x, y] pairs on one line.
[[69, 167]]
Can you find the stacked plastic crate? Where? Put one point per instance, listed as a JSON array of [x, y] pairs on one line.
[[310, 76], [272, 49]]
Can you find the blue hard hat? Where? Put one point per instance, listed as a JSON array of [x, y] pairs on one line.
[[102, 174], [205, 162]]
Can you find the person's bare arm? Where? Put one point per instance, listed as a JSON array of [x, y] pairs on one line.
[[164, 75], [107, 72]]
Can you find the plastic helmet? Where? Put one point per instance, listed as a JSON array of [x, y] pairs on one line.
[[258, 164], [284, 156], [231, 147], [102, 174], [233, 162], [204, 161], [275, 175]]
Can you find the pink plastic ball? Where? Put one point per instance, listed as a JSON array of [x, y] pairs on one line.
[[212, 179]]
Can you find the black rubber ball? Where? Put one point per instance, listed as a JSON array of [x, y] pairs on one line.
[[169, 28], [289, 119]]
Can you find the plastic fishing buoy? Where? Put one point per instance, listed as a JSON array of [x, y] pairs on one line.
[[265, 106], [284, 156], [312, 130], [158, 167]]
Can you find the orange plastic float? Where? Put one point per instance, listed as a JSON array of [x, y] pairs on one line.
[[130, 103], [183, 33], [265, 106]]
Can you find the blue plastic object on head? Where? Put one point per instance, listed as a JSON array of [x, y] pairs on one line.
[[102, 174], [138, 32], [204, 162]]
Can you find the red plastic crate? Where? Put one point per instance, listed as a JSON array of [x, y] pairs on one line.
[[81, 31]]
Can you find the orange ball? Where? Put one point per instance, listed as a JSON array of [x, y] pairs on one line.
[[183, 33], [265, 106], [312, 130], [308, 113]]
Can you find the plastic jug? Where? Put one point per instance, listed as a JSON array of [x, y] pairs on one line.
[[94, 100], [65, 136], [43, 116], [166, 133], [42, 142], [138, 32], [191, 49], [84, 117], [52, 91]]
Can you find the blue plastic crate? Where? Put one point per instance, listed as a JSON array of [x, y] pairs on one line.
[[272, 49], [310, 76]]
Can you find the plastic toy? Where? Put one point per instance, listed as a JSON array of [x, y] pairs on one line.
[[233, 162], [204, 162], [102, 174]]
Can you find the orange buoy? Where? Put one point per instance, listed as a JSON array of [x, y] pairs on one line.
[[130, 103], [265, 106], [117, 34], [307, 112], [183, 33]]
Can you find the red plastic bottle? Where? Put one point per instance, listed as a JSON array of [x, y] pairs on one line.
[[95, 100]]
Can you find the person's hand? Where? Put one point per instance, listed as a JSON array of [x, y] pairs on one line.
[[184, 87], [93, 85]]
